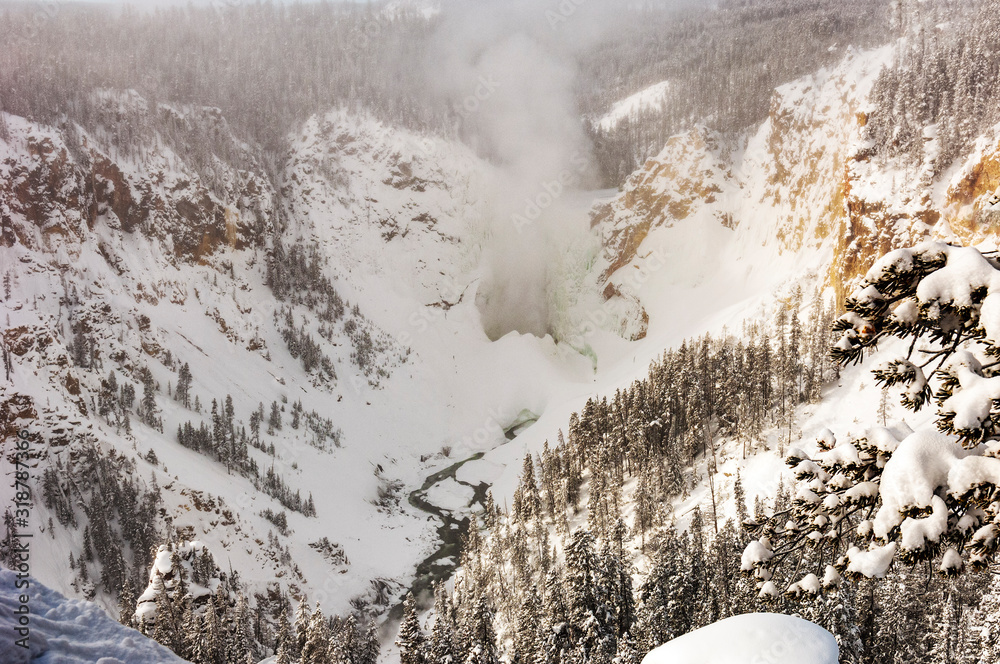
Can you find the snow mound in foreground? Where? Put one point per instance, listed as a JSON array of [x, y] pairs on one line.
[[68, 631], [753, 637]]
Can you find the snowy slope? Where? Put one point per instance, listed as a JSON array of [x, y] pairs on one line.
[[68, 631], [712, 233], [218, 315], [394, 217], [650, 99]]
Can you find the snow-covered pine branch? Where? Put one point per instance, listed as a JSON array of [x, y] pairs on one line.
[[893, 494]]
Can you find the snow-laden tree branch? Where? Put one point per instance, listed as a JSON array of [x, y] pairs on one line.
[[893, 494]]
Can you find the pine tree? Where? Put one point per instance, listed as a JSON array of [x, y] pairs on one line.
[[284, 638], [126, 604], [442, 642], [183, 391], [274, 421], [411, 642], [647, 499], [582, 600], [302, 617], [317, 640], [628, 652], [668, 597], [190, 633], [147, 405], [482, 640], [88, 548], [165, 629], [283, 656], [243, 637], [345, 644], [370, 646], [526, 617], [740, 497], [211, 646]]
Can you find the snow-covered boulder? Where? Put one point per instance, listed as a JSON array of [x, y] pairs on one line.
[[752, 637], [68, 631]]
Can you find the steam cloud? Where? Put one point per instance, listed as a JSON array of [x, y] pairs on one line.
[[509, 69]]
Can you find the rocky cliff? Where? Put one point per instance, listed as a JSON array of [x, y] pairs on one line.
[[806, 181]]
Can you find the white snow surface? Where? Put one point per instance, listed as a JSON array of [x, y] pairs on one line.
[[752, 637], [69, 631], [450, 495], [651, 98]]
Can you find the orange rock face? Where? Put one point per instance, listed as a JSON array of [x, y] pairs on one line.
[[807, 180], [688, 173], [48, 189], [966, 207]]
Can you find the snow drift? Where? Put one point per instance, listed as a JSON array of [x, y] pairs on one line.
[[69, 631], [752, 637]]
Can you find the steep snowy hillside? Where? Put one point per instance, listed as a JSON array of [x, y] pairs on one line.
[[271, 372], [805, 184], [126, 271], [714, 230], [711, 232], [779, 192]]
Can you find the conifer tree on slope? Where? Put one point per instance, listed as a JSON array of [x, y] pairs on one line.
[[370, 646], [664, 597], [481, 635], [301, 630], [283, 656], [284, 638], [191, 627], [411, 642], [317, 640], [442, 642], [242, 644]]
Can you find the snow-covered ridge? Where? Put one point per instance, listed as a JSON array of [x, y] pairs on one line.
[[650, 99], [98, 283], [154, 267]]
